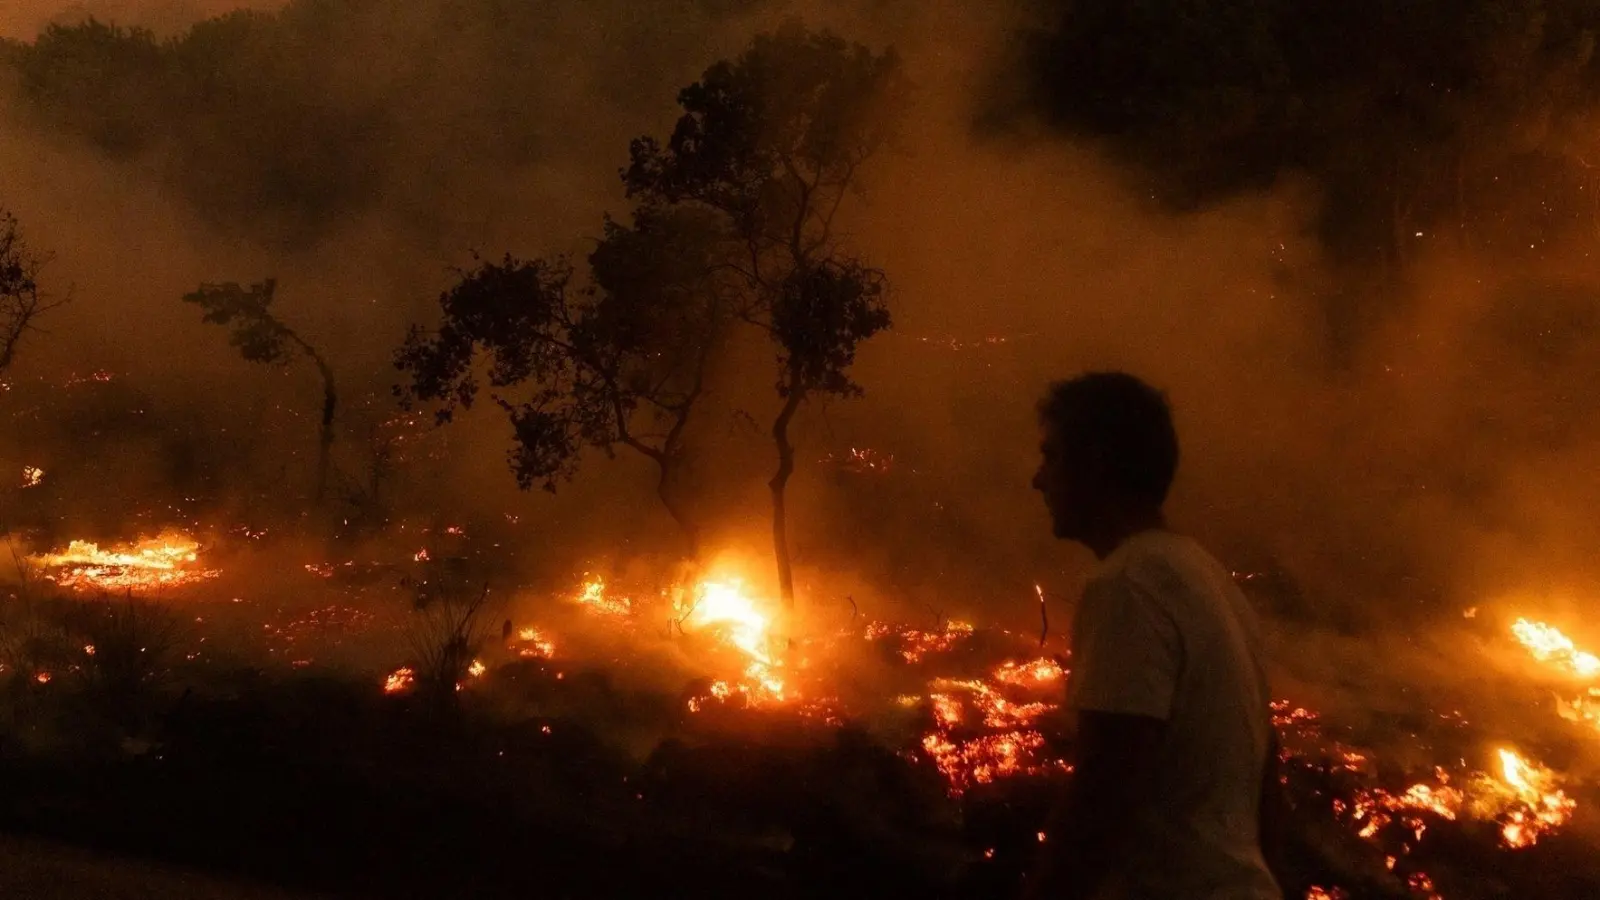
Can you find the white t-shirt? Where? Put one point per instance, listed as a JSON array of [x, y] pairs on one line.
[[1164, 632]]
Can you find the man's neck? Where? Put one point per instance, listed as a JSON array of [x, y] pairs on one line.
[[1119, 529]]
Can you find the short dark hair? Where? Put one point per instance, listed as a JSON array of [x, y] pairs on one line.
[[1127, 419]]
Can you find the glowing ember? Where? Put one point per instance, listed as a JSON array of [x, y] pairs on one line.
[[477, 669], [862, 461], [1320, 893], [967, 706], [164, 561], [1040, 672], [399, 680], [984, 759], [1547, 644], [915, 645], [998, 712], [1420, 883], [42, 677], [31, 476]]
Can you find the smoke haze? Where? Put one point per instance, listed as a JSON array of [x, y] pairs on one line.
[[1438, 460]]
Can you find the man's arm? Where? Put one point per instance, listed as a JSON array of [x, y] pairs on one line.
[[1087, 836], [1275, 820]]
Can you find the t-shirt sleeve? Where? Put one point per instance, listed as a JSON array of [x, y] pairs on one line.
[[1126, 652]]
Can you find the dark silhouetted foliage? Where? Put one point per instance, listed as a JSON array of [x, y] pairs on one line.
[[21, 304], [262, 338], [772, 143], [620, 360]]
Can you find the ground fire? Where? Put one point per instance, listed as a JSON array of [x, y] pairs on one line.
[[981, 708], [168, 560]]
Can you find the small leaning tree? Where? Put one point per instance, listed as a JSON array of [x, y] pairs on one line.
[[771, 145], [261, 337]]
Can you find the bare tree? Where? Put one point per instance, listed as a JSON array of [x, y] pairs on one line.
[[21, 304], [261, 337], [446, 631]]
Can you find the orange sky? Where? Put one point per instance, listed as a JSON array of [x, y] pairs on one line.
[[24, 18]]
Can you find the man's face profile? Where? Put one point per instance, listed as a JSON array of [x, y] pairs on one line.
[[1068, 486]]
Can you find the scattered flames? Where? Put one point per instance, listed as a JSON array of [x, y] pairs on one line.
[[1522, 798], [534, 644], [31, 476], [164, 561]]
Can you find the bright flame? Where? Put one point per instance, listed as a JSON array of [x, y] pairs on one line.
[[535, 644], [31, 476], [594, 597], [1540, 807], [724, 606], [399, 680], [1547, 644], [162, 561]]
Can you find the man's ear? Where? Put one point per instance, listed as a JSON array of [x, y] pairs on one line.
[[1095, 464]]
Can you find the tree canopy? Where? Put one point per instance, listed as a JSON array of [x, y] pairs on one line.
[[276, 125], [21, 302], [772, 144], [1466, 120]]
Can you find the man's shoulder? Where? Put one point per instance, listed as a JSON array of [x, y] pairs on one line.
[[1158, 563]]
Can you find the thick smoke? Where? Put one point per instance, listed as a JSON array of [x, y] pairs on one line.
[[1433, 461]]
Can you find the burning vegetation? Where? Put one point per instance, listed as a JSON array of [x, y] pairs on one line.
[[168, 560], [349, 632]]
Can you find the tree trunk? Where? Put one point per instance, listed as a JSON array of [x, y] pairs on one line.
[[780, 481], [330, 403], [667, 489]]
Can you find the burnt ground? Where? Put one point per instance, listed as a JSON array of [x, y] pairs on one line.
[[319, 786], [38, 870], [315, 785], [536, 782]]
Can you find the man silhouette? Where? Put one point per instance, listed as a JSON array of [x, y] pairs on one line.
[[1174, 729]]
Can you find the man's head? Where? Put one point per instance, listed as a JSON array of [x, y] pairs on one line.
[[1109, 456]]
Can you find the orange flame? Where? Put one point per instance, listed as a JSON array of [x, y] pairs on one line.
[[400, 679], [163, 561], [1547, 644]]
